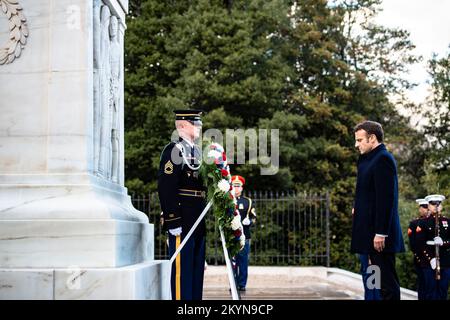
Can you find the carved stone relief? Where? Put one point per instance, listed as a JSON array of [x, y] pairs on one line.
[[107, 92], [18, 31]]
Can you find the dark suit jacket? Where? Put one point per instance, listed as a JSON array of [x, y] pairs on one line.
[[376, 203]]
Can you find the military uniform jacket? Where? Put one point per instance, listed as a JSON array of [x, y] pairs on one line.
[[428, 251], [180, 188], [417, 236], [246, 209]]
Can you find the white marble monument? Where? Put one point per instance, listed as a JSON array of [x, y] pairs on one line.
[[68, 229]]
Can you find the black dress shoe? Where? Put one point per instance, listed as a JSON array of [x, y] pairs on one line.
[[241, 289]]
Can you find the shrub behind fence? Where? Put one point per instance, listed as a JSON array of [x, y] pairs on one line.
[[292, 228]]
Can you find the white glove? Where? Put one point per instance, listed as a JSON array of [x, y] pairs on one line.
[[438, 241], [175, 232], [433, 263], [246, 221]]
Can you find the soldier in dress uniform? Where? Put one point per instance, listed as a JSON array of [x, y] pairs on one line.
[[247, 212], [435, 289], [416, 235], [182, 196]]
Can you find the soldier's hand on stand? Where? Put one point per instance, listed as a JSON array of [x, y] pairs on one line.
[[246, 221], [433, 263], [175, 232]]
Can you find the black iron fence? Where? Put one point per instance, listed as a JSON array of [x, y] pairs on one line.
[[292, 228]]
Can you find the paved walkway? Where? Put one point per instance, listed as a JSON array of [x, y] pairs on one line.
[[290, 283]]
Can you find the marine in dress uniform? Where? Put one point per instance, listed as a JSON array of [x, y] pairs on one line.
[[435, 289], [247, 212], [416, 235], [182, 196]]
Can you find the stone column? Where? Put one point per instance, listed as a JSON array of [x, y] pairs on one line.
[[66, 220]]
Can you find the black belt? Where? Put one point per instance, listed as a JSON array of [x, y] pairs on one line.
[[191, 193]]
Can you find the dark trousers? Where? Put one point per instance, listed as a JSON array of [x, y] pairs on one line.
[[369, 293], [241, 269], [420, 282], [390, 285], [187, 272], [436, 289]]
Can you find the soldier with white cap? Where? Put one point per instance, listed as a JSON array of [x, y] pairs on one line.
[[416, 235], [423, 208], [435, 247]]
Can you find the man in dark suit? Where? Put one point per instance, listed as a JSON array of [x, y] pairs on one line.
[[376, 225], [182, 197]]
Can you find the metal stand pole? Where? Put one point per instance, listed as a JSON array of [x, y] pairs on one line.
[[234, 293]]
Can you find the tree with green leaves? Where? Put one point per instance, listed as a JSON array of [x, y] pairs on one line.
[[437, 129], [204, 54], [312, 69]]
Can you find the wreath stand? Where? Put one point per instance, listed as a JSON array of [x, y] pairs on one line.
[[231, 280]]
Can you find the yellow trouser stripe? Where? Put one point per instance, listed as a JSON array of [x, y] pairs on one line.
[[178, 271]]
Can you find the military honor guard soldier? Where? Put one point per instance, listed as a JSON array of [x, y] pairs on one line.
[[416, 235], [248, 218], [182, 196], [437, 270]]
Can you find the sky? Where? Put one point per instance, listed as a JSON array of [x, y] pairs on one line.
[[428, 22]]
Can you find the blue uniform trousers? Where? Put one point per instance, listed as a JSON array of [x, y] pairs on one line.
[[241, 270], [187, 273], [436, 289], [420, 282]]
